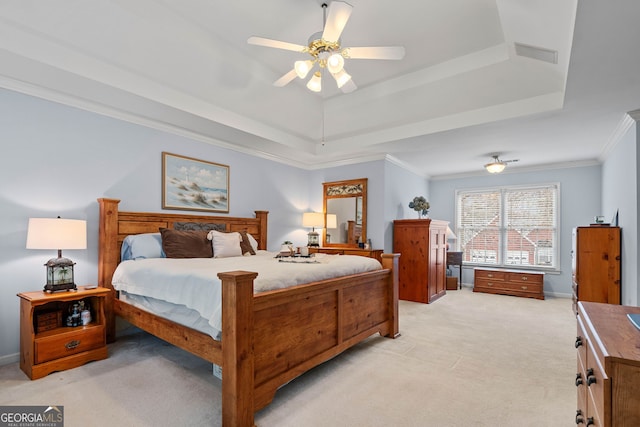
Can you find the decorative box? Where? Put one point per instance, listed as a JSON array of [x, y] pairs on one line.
[[48, 320]]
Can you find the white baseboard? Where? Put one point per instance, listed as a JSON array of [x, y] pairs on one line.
[[9, 359]]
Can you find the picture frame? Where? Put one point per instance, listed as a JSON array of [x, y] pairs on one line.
[[193, 184]]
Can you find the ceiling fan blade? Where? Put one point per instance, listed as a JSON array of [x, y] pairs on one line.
[[286, 79], [348, 87], [337, 17], [261, 41], [389, 52]]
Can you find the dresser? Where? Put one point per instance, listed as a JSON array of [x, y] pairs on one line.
[[517, 283], [421, 244], [48, 342], [596, 264], [608, 366], [371, 253]]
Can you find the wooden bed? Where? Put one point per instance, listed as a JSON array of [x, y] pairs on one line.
[[268, 338]]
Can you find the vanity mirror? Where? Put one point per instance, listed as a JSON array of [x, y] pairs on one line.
[[347, 200]]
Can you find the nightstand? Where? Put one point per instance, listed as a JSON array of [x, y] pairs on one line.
[[47, 344]]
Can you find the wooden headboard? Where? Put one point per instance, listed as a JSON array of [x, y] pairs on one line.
[[115, 225]]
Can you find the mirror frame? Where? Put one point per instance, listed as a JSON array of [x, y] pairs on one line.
[[344, 189]]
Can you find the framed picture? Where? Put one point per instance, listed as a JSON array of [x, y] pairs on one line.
[[192, 184]]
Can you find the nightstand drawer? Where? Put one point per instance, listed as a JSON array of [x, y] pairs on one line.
[[68, 343]]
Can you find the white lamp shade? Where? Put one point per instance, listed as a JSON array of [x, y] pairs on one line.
[[335, 63], [56, 233], [341, 78], [302, 68], [450, 234], [315, 83], [332, 221], [313, 219]]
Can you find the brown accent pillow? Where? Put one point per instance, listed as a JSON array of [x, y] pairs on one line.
[[245, 244], [186, 244]]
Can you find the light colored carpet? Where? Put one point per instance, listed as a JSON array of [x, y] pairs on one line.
[[469, 359]]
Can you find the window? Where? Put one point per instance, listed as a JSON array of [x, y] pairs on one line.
[[509, 226]]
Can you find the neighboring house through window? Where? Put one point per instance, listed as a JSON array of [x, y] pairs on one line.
[[515, 226]]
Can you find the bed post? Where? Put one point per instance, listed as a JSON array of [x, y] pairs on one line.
[[108, 257], [262, 240], [390, 261], [237, 349]]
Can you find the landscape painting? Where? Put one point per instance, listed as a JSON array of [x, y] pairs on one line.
[[192, 184]]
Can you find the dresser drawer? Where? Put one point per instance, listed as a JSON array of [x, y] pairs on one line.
[[491, 275], [66, 344], [522, 287], [525, 278]]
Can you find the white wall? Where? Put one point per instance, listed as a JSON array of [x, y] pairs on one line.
[[400, 187], [58, 160], [620, 192], [580, 201]]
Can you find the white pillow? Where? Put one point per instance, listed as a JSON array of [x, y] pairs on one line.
[[253, 241], [225, 244]]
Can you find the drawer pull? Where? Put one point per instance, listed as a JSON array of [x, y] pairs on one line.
[[591, 379], [579, 418], [578, 341], [525, 278], [590, 421], [72, 344], [579, 381], [489, 275], [489, 284], [524, 288]]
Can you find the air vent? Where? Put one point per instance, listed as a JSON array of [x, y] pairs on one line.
[[535, 52]]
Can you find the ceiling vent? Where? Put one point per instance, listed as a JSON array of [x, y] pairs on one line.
[[535, 52]]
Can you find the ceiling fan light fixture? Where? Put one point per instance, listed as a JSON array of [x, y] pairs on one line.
[[495, 166], [315, 83], [335, 63], [342, 77], [303, 67]]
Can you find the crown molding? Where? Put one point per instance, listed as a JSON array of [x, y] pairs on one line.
[[519, 170], [628, 120]]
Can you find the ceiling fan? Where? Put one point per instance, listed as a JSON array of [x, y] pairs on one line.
[[326, 51], [496, 165]]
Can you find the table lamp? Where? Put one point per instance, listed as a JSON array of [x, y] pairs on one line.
[[313, 220], [57, 233], [450, 236]]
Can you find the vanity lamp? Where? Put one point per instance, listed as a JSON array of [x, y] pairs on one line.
[[313, 220], [57, 234]]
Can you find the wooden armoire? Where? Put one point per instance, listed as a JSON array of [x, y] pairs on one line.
[[421, 244], [596, 264]]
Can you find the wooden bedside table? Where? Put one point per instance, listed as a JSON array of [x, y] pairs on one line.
[[47, 344]]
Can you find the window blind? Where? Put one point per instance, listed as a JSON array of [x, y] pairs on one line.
[[509, 226]]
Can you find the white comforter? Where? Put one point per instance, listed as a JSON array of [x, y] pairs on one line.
[[194, 282]]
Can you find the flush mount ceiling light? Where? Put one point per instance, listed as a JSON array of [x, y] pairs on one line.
[[326, 51], [496, 165]]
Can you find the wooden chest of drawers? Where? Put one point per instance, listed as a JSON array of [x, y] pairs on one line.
[[608, 366], [509, 282]]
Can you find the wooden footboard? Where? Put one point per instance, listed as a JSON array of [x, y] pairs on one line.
[[268, 338]]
